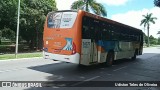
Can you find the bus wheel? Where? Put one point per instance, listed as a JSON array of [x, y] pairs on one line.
[[135, 54], [110, 59]]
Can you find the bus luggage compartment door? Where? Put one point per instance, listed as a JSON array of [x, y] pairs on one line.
[[89, 52]]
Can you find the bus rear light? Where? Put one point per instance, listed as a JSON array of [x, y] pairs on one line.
[[74, 48]]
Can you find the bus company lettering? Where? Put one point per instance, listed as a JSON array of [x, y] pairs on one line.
[[14, 84]]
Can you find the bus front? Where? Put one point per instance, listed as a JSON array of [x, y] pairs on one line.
[[60, 39]]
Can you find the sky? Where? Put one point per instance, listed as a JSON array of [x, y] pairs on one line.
[[125, 11]]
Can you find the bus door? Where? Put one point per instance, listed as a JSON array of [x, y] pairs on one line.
[[94, 41], [93, 52], [89, 54]]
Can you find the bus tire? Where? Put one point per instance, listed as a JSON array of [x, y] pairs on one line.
[[110, 59], [135, 55]]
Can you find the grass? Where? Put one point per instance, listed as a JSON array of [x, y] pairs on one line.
[[23, 55]]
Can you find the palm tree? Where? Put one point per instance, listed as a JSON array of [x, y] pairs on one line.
[[157, 3], [86, 4], [146, 22]]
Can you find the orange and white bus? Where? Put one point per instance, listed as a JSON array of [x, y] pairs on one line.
[[84, 38]]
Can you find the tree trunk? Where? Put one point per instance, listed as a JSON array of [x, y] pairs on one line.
[[148, 36], [87, 9], [32, 43], [40, 41], [144, 42]]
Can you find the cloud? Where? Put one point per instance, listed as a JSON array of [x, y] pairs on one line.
[[113, 2], [133, 18], [64, 4]]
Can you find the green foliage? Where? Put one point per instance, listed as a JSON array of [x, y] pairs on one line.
[[0, 37], [145, 38], [32, 17], [96, 7], [8, 34], [158, 41], [0, 34], [146, 22], [153, 40], [157, 3], [8, 10]]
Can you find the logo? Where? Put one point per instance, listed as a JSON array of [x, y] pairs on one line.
[[69, 45], [6, 84]]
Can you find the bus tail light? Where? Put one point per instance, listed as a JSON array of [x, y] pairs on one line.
[[74, 48]]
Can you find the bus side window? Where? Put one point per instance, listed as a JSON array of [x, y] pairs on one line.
[[104, 34], [98, 30], [85, 28], [105, 31], [85, 32]]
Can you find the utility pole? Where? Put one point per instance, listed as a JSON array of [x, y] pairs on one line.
[[16, 50]]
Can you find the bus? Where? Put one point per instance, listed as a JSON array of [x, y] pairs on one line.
[[84, 38]]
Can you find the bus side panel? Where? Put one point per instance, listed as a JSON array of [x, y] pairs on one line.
[[125, 50], [78, 33]]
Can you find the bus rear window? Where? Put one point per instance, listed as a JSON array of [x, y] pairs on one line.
[[61, 19]]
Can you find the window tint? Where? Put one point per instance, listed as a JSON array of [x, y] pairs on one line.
[[61, 19], [100, 30]]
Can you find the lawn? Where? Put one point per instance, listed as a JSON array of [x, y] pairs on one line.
[[22, 55]]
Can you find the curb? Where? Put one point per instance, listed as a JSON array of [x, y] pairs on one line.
[[21, 59]]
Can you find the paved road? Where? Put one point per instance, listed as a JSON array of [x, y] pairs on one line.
[[145, 68]]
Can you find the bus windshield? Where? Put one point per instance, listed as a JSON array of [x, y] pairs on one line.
[[61, 19]]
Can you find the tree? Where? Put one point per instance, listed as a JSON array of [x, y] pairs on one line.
[[32, 17], [158, 37], [33, 14], [153, 40], [0, 37], [157, 3], [8, 18], [8, 9], [159, 41], [8, 33], [146, 22], [96, 7]]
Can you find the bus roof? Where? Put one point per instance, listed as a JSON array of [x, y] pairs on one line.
[[109, 20], [99, 18], [63, 11]]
